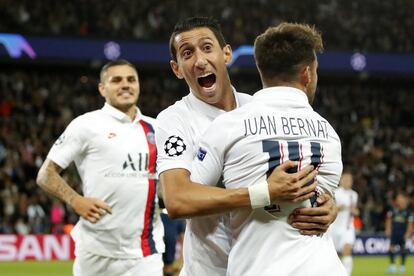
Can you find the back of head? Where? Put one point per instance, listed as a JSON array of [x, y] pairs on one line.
[[191, 23], [281, 51]]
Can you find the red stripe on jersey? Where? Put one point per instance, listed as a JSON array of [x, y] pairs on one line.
[[282, 156], [301, 158], [147, 241]]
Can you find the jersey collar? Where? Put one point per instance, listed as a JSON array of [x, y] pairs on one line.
[[119, 115], [208, 109], [283, 96]]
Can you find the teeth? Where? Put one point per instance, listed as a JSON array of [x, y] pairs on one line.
[[205, 75]]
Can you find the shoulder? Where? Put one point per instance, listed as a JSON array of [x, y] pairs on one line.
[[174, 112], [88, 119], [243, 98]]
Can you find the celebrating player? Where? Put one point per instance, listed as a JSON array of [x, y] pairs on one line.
[[119, 232], [244, 145], [343, 230], [199, 55]]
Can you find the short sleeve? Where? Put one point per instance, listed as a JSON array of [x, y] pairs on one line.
[[69, 145], [174, 142]]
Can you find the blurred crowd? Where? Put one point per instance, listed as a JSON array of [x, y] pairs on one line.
[[368, 25], [372, 117]]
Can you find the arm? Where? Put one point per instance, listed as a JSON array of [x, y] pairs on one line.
[[409, 230], [49, 179], [388, 225], [184, 198]]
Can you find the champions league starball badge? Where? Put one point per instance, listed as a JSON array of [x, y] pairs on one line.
[[174, 146]]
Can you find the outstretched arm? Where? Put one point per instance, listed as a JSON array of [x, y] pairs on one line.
[[49, 179], [184, 198]]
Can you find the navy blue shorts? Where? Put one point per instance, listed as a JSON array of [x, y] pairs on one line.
[[172, 229]]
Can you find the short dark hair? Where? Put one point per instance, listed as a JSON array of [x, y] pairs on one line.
[[115, 63], [281, 50], [191, 23]]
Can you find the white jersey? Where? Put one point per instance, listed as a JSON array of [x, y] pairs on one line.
[[343, 229], [243, 146], [347, 199], [179, 129], [115, 158]]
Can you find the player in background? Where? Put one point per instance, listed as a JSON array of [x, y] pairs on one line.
[[342, 229], [279, 124], [398, 228], [119, 231], [199, 56]]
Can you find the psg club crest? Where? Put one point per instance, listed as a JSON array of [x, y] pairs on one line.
[[174, 146], [151, 137]]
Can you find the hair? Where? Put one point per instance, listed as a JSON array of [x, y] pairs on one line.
[[191, 23], [113, 63], [280, 51]]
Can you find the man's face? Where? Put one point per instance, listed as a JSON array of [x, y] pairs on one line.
[[120, 87], [401, 201], [202, 63], [346, 181]]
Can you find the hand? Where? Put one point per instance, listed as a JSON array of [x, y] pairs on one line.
[[315, 220], [291, 187], [91, 209]]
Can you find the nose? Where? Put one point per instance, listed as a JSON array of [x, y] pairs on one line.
[[201, 60], [125, 83]]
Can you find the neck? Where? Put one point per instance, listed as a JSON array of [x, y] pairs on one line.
[[228, 102], [130, 111], [273, 83]]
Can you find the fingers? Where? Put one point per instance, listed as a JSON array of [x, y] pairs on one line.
[[306, 171], [312, 232], [92, 209], [311, 212], [323, 198], [309, 178], [287, 165], [102, 205]]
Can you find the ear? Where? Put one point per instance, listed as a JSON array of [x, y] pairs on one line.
[[176, 69], [101, 89], [305, 75], [228, 54]]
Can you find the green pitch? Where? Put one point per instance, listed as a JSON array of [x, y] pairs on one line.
[[363, 266], [376, 266], [36, 268]]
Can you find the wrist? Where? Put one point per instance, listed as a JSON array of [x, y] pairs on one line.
[[259, 195]]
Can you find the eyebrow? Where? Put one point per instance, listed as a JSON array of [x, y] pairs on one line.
[[119, 76], [202, 39]]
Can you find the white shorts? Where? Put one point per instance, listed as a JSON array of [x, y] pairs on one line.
[[340, 238], [88, 264]]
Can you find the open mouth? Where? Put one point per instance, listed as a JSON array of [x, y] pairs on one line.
[[207, 80]]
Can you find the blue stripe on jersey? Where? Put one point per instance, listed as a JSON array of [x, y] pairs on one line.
[[316, 160], [293, 148], [273, 148]]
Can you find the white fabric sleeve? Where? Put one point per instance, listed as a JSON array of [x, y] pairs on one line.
[[69, 145], [207, 166], [328, 177], [175, 149]]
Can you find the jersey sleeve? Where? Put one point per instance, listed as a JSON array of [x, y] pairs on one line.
[[69, 145], [207, 166], [175, 149], [330, 170]]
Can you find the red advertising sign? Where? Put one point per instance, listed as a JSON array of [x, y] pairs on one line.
[[36, 247]]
